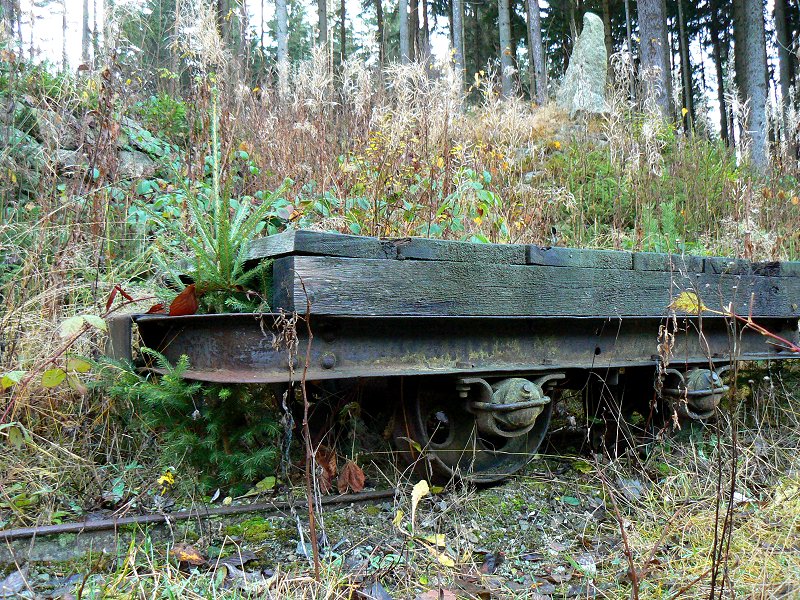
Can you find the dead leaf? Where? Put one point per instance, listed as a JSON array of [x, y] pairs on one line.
[[186, 554], [420, 490], [471, 589], [491, 562], [326, 461], [352, 478], [156, 309], [184, 303], [238, 559], [688, 302], [440, 594], [375, 591], [12, 585]]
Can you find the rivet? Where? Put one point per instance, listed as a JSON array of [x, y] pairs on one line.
[[328, 361]]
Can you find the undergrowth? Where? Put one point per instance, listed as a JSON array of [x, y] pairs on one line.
[[345, 150]]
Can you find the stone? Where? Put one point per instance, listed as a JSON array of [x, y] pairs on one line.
[[55, 130], [135, 165], [584, 85], [70, 161]]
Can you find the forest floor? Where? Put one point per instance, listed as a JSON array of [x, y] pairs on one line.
[[97, 177], [573, 525]]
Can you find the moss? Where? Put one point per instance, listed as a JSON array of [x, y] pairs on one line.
[[372, 511], [259, 529]]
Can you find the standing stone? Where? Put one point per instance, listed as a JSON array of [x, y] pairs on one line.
[[584, 85]]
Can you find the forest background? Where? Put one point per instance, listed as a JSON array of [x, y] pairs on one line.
[[426, 117]]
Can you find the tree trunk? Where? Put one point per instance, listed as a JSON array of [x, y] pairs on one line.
[[609, 40], [343, 31], [573, 26], [506, 60], [457, 40], [282, 22], [426, 32], [86, 35], [654, 54], [629, 38], [405, 54], [95, 35], [322, 22], [686, 71], [783, 39], [716, 48], [538, 69], [751, 74], [413, 27], [381, 40], [64, 29]]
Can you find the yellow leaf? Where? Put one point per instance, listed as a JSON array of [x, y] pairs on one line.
[[168, 478], [440, 162], [437, 539], [684, 111], [398, 518], [443, 558], [420, 490], [688, 302]]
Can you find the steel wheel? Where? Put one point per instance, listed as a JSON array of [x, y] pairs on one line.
[[436, 432]]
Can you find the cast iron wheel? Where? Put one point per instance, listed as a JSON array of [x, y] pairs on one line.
[[434, 432]]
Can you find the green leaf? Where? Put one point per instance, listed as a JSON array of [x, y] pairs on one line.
[[582, 466], [572, 501], [71, 326], [53, 377], [96, 322], [15, 437], [78, 365], [265, 484], [10, 378]]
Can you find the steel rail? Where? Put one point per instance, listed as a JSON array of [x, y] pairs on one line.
[[20, 533]]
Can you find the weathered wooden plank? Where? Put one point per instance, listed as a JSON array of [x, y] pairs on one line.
[[315, 243], [579, 257], [426, 249], [340, 286], [656, 261], [728, 266], [777, 268]]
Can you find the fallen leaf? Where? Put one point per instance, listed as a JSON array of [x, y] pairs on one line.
[[352, 478], [184, 303], [443, 558], [12, 585], [440, 594], [187, 554], [375, 591], [326, 461], [238, 559], [156, 309], [491, 562], [420, 490], [437, 539]]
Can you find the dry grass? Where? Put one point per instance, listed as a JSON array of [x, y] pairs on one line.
[[396, 154]]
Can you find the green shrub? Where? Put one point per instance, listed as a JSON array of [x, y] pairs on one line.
[[228, 433]]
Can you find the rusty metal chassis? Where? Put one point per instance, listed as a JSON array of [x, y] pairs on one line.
[[249, 348]]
